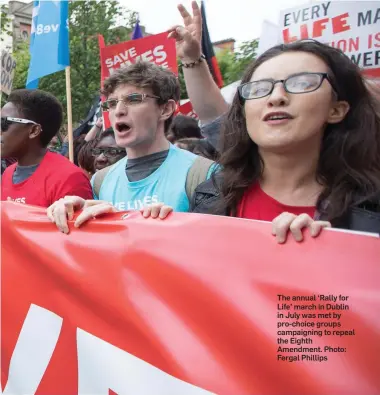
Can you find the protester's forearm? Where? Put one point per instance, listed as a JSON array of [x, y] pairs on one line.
[[204, 94], [91, 135]]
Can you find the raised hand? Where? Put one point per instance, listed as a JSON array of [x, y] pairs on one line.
[[189, 36]]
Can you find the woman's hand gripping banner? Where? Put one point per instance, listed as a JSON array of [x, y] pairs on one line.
[[193, 304]]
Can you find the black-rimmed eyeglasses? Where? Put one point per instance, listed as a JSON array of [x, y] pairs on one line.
[[7, 121], [128, 100], [108, 152], [296, 84]]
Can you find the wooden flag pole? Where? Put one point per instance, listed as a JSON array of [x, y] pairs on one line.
[[69, 115]]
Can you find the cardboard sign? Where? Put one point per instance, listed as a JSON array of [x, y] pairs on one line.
[[353, 27], [8, 66], [157, 49], [192, 305]]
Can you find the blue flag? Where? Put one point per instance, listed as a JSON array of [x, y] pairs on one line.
[[137, 33], [49, 42]]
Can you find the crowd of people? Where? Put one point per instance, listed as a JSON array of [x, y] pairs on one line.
[[299, 146]]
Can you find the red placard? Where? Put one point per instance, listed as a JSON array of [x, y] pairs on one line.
[[194, 304], [157, 49], [187, 109]]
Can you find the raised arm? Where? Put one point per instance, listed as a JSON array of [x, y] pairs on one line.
[[204, 94]]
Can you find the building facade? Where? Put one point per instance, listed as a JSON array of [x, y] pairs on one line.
[[224, 45], [20, 24]]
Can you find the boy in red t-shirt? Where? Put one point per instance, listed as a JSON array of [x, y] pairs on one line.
[[29, 120]]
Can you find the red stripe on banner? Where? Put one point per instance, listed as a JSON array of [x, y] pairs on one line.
[[208, 50], [189, 305], [217, 73], [105, 114], [373, 73]]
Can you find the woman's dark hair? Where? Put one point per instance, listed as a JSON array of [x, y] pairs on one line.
[[106, 133], [85, 157], [373, 86], [349, 162], [184, 127], [78, 143], [199, 147]]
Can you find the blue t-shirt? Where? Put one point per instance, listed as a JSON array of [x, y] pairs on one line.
[[167, 184]]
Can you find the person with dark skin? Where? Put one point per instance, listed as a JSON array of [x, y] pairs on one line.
[[107, 152], [99, 153], [29, 121]]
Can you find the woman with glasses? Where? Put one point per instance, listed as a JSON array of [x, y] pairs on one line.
[[300, 145], [100, 153], [107, 152]]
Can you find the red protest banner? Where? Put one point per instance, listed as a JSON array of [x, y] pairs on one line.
[[352, 27], [187, 109], [129, 305], [157, 49]]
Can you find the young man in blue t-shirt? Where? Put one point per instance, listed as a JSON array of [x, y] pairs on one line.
[[141, 100]]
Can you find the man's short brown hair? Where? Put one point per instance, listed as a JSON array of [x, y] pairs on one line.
[[162, 82]]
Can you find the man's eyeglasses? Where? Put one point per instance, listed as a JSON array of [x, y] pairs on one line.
[[129, 100], [299, 83], [7, 121], [108, 152]]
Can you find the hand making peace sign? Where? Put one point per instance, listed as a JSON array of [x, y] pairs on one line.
[[188, 38]]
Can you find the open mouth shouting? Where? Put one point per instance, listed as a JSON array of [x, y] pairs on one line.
[[122, 127]]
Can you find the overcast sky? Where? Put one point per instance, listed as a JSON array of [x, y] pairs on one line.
[[239, 19]]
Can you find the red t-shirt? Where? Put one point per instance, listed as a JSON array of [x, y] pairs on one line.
[[55, 178], [256, 204]]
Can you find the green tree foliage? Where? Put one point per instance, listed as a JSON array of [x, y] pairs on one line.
[[22, 57], [4, 20], [87, 20], [233, 65]]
